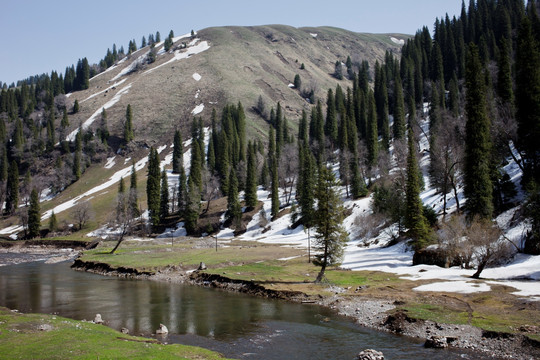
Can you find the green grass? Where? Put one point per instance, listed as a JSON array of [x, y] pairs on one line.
[[20, 338]]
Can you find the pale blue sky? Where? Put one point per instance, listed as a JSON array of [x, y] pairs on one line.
[[43, 35]]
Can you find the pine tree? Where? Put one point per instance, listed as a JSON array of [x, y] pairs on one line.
[[478, 186], [12, 189], [331, 127], [164, 197], [195, 171], [76, 106], [65, 120], [272, 155], [528, 99], [153, 186], [191, 214], [34, 216], [306, 184], [128, 125], [234, 209], [414, 216], [327, 220], [53, 223], [399, 109], [372, 137], [504, 75], [250, 196], [178, 153], [133, 205]]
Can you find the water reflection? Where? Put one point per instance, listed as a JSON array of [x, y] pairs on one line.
[[239, 326]]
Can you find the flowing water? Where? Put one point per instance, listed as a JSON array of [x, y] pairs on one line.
[[237, 325]]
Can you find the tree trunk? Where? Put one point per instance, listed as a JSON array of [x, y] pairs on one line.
[[481, 267], [321, 273]]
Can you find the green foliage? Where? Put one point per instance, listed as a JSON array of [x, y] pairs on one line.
[[53, 223], [153, 190], [250, 196], [532, 211], [330, 234], [234, 209], [178, 153], [478, 186], [76, 106], [164, 197], [12, 188], [297, 82], [34, 216], [128, 124], [414, 215], [191, 214]]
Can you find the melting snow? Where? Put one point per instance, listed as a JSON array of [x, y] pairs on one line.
[[397, 41], [179, 55], [105, 90], [91, 119], [198, 109], [110, 162], [313, 34], [197, 77]]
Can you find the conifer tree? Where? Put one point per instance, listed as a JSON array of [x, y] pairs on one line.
[[50, 130], [178, 153], [153, 190], [164, 197], [34, 216], [414, 216], [53, 223], [250, 196], [76, 106], [372, 137], [234, 209], [504, 75], [381, 102], [331, 127], [528, 99], [195, 171], [182, 191], [128, 125], [272, 155], [191, 214], [12, 189], [327, 220], [399, 109], [133, 195], [478, 186], [65, 120]]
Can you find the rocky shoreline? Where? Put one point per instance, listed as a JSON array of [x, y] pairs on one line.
[[372, 313]]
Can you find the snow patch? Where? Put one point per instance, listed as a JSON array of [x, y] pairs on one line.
[[105, 90], [462, 286], [196, 76], [110, 162], [397, 41], [198, 109], [184, 54], [313, 34], [92, 118]]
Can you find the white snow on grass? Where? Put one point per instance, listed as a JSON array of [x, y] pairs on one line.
[[104, 90], [173, 233], [197, 94], [94, 116], [313, 34], [397, 41], [138, 61], [11, 229], [196, 76], [185, 53], [291, 86], [110, 162], [198, 109]]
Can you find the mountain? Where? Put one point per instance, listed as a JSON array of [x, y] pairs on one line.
[[201, 71], [225, 65]]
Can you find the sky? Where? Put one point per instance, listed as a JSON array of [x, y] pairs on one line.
[[40, 36]]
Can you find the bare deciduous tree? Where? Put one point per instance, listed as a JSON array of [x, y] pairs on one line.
[[82, 213], [288, 171], [211, 190]]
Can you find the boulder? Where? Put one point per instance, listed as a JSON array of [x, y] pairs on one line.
[[436, 342], [370, 354], [124, 331], [162, 330], [98, 319]]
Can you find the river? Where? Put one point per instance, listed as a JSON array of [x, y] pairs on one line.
[[237, 325]]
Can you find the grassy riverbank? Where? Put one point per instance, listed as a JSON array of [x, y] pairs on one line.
[[495, 310], [40, 336]]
